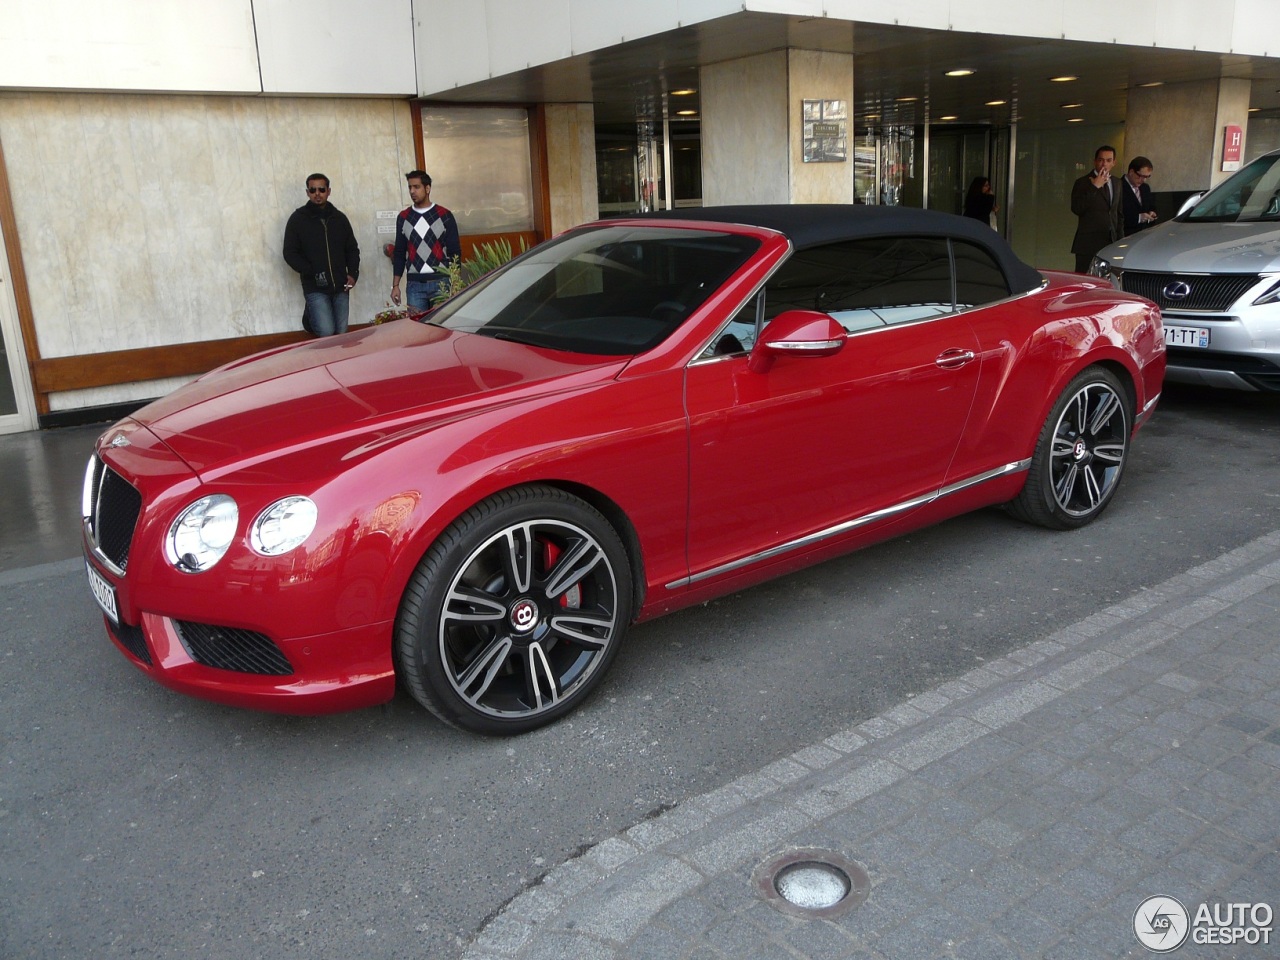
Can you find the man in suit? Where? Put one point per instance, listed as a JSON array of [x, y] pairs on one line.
[[1096, 200], [1139, 209]]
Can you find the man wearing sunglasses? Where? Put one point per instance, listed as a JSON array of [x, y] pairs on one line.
[[321, 246]]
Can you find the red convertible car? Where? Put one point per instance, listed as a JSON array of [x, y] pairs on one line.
[[636, 416]]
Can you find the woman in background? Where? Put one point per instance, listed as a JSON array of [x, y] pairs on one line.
[[980, 202]]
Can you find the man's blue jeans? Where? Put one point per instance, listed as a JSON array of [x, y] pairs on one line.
[[328, 312], [418, 294]]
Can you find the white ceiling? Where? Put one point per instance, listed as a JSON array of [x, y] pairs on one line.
[[890, 62]]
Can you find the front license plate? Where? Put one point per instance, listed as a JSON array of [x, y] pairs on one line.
[[103, 592], [1186, 336]]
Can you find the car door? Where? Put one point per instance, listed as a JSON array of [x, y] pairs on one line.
[[815, 442]]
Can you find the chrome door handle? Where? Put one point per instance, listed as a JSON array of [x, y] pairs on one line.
[[954, 359]]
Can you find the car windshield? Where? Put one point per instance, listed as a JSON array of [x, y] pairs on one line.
[[1250, 195], [612, 290]]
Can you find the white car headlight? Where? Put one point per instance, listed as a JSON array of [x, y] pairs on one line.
[[282, 526], [1270, 295], [202, 533], [1104, 269]]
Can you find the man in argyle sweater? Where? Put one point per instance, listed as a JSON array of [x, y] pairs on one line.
[[426, 240]]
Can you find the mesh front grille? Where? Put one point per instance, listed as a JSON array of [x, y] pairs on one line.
[[115, 513], [227, 648], [1216, 293], [130, 638]]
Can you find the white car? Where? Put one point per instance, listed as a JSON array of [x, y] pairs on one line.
[[1214, 271]]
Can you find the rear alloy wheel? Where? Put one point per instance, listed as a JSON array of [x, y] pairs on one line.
[[1080, 455], [515, 613]]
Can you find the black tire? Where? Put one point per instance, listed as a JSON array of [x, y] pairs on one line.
[[515, 613], [1080, 455]]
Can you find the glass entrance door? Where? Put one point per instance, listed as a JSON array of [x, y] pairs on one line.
[[651, 162], [956, 158], [890, 165]]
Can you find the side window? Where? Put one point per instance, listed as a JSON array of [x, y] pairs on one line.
[[863, 284], [979, 278], [739, 334], [866, 283]]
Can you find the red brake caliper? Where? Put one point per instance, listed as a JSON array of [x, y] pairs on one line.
[[571, 598]]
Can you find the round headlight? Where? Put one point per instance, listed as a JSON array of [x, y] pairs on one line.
[[201, 534], [283, 525]]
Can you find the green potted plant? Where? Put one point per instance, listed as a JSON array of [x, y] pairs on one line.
[[457, 275]]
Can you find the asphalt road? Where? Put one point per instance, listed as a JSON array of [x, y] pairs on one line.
[[137, 823]]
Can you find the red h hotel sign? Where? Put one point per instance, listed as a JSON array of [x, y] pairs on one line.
[[1232, 147]]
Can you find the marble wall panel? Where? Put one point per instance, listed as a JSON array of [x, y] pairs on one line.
[[745, 151], [147, 220], [571, 165], [814, 75], [1174, 126]]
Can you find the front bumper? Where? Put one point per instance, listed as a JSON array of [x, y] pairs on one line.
[[325, 673], [300, 633]]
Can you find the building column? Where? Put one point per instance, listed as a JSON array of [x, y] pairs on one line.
[[571, 165], [753, 128], [1172, 125]]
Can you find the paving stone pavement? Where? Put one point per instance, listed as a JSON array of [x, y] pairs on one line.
[[1024, 810]]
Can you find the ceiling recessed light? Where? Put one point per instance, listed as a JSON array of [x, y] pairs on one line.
[[683, 93], [907, 99], [948, 118], [996, 103], [1063, 79], [1071, 106], [1075, 119], [686, 113], [960, 72]]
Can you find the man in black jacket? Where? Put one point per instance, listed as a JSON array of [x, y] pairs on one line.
[[1095, 199], [321, 246], [1139, 209]]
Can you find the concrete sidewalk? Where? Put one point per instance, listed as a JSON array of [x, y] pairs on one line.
[[1027, 809]]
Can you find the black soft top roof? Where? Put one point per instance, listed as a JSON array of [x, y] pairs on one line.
[[815, 224]]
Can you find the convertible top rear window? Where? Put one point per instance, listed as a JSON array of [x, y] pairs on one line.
[[613, 290]]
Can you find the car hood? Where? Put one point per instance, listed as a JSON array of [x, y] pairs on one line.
[[388, 377], [1186, 247]]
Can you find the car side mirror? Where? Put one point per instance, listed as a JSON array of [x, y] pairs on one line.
[[1188, 203], [796, 333]]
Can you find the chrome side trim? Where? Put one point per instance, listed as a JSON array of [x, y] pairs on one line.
[[1147, 409], [801, 346], [853, 524]]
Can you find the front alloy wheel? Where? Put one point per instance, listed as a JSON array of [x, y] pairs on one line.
[[515, 613], [1081, 454]]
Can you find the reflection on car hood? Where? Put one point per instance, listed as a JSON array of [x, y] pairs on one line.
[[1200, 248], [398, 374]]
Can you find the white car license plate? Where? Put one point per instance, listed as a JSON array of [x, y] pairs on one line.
[[1186, 336], [103, 592]]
